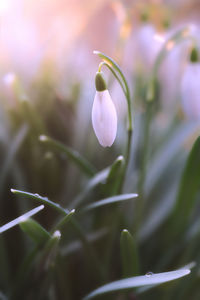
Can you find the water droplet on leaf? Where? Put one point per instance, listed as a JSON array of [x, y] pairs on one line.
[[149, 274]]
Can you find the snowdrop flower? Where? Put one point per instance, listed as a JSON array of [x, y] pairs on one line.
[[172, 64], [148, 44], [104, 116], [190, 88]]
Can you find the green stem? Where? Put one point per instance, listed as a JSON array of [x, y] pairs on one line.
[[127, 156], [143, 172], [114, 73]]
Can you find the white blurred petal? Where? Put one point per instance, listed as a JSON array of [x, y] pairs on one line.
[[148, 44], [104, 118], [190, 91]]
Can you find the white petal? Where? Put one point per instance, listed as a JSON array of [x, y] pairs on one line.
[[190, 91], [104, 118], [148, 46]]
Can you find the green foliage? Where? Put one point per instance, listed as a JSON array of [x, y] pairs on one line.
[[129, 254], [189, 188], [35, 231]]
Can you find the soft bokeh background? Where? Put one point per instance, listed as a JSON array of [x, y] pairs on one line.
[[47, 88]]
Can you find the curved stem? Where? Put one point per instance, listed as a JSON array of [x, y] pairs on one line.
[[117, 72], [114, 73], [113, 65]]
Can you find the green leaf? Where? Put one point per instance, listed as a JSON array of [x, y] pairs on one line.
[[41, 199], [129, 255], [100, 177], [138, 281], [113, 179], [149, 287], [11, 154], [188, 190], [60, 209], [76, 245], [109, 200], [169, 151], [35, 231], [50, 250], [64, 220], [22, 218], [84, 165]]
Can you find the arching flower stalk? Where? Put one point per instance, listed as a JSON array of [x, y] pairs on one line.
[[104, 116], [105, 125]]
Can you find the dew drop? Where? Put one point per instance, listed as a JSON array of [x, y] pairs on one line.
[[149, 274], [37, 195]]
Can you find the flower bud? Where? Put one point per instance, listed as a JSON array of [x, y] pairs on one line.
[[104, 116], [100, 82], [194, 57]]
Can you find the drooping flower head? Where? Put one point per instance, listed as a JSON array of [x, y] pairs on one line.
[[104, 116]]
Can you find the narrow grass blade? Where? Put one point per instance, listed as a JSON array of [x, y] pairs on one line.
[[143, 289], [64, 220], [13, 149], [138, 281], [50, 251], [41, 199], [114, 176], [84, 165], [77, 245], [35, 231], [169, 151], [109, 200], [60, 209], [20, 219], [99, 178], [160, 211], [129, 254], [188, 189]]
